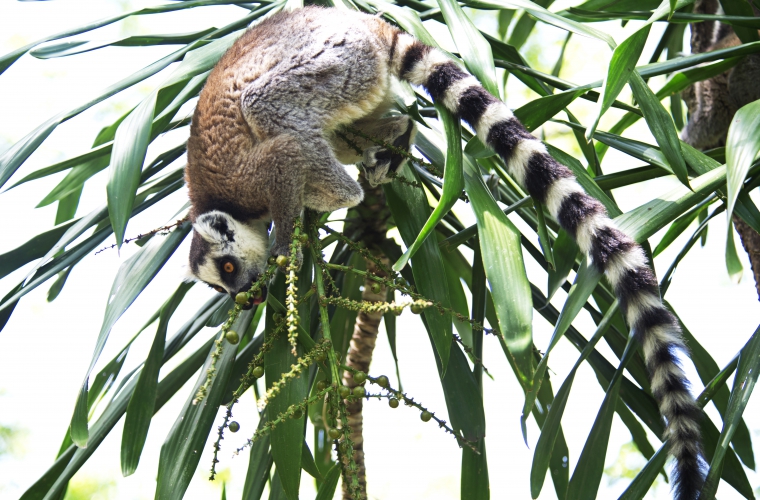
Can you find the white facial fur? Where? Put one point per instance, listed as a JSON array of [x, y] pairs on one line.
[[221, 239]]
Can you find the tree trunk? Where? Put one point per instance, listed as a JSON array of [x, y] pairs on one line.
[[712, 104], [371, 227]]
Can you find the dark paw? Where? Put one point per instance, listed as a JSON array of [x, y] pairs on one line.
[[380, 162]]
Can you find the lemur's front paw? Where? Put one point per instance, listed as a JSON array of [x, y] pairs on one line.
[[380, 161]]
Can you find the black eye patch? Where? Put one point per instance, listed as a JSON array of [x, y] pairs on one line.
[[228, 268]]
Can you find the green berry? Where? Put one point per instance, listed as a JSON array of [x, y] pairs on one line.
[[360, 377], [383, 381], [425, 416], [358, 391], [272, 260], [303, 238], [281, 261], [232, 337], [234, 426], [277, 317], [321, 385], [333, 433], [416, 308], [296, 414], [320, 357], [241, 298], [258, 372], [344, 391], [376, 288], [393, 403]]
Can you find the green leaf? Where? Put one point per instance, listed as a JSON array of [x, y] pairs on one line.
[[585, 283], [544, 15], [677, 227], [622, 64], [259, 465], [475, 50], [288, 437], [7, 60], [129, 149], [588, 472], [741, 8], [134, 275], [565, 251], [744, 383], [327, 490], [551, 427], [535, 113], [343, 320], [505, 270], [742, 145], [660, 125], [733, 264], [143, 401], [407, 19], [307, 462], [35, 248], [69, 48], [181, 451], [474, 485], [707, 369], [410, 210], [543, 235], [642, 222], [115, 410], [453, 182]]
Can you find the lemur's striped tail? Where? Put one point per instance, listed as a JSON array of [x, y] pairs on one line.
[[612, 251]]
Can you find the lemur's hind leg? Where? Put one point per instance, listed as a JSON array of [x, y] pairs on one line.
[[328, 185], [378, 160]]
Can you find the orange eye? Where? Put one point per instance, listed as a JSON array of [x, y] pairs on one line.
[[219, 289], [229, 267]]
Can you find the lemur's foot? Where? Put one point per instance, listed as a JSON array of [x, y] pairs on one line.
[[379, 161]]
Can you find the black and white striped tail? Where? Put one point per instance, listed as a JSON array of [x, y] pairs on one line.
[[612, 251]]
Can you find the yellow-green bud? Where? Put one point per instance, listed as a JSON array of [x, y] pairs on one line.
[[281, 261]]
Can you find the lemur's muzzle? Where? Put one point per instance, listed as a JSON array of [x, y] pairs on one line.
[[262, 296]]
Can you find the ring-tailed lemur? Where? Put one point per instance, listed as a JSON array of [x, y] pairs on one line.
[[264, 144]]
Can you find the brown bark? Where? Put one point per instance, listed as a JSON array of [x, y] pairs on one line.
[[371, 226], [713, 95], [751, 243]]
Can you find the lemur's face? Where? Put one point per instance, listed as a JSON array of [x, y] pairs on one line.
[[227, 254]]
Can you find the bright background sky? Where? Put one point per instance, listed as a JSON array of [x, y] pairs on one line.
[[47, 346]]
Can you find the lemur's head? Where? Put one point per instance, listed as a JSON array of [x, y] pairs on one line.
[[227, 254]]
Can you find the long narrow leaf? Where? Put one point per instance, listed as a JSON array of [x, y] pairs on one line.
[[180, 452], [133, 277], [453, 183]]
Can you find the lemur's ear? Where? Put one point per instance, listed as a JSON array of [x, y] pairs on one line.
[[215, 227]]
